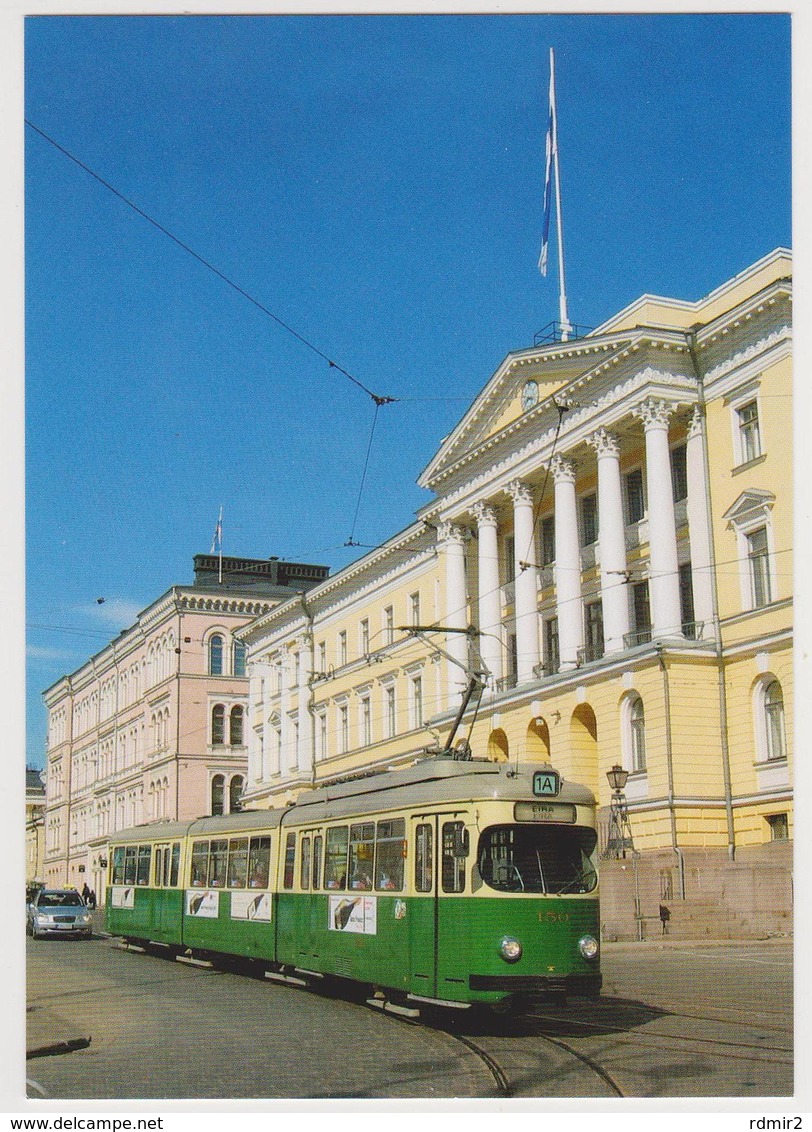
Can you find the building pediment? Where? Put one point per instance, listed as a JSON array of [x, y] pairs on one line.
[[751, 505], [593, 378]]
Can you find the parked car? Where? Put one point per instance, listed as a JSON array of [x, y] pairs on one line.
[[58, 911]]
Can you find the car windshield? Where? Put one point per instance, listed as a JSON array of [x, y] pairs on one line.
[[538, 858], [60, 900]]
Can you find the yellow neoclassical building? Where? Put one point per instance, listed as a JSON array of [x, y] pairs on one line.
[[609, 553]]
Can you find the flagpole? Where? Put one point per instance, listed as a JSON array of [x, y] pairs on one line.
[[566, 328], [220, 530]]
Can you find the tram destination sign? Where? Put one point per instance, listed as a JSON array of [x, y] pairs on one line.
[[546, 783], [544, 811]]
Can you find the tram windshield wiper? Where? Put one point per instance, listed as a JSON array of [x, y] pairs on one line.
[[588, 872]]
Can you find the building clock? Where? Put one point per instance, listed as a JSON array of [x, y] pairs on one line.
[[530, 395]]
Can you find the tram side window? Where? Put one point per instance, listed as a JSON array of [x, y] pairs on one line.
[[362, 846], [144, 860], [117, 874], [218, 857], [290, 860], [335, 862], [130, 860], [453, 867], [423, 858], [389, 846], [200, 864], [159, 867], [259, 862], [304, 865], [238, 862], [318, 841], [165, 870], [174, 871]]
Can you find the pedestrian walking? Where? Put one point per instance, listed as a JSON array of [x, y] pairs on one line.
[[665, 916]]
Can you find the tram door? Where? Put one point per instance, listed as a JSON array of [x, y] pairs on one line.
[[159, 909], [423, 913]]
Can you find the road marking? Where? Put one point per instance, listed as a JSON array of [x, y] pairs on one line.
[[35, 1085]]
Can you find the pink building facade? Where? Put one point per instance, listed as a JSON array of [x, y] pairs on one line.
[[154, 725]]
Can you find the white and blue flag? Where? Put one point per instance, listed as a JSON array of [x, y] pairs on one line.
[[548, 176]]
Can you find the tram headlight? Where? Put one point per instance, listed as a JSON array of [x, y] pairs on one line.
[[588, 946], [510, 949]]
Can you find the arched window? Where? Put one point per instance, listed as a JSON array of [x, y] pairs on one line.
[[235, 729], [774, 721], [217, 793], [216, 655], [218, 725], [235, 794], [239, 658], [637, 733]]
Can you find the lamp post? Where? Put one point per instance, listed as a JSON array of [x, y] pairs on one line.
[[620, 834], [619, 828]]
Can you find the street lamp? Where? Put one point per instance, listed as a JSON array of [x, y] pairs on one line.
[[620, 831], [620, 834]]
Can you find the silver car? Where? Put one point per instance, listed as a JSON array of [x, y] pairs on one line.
[[58, 911]]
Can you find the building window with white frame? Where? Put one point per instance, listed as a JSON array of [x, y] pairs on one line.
[[416, 702], [389, 625], [414, 608], [390, 711], [342, 648], [218, 784], [238, 659], [218, 725], [215, 655], [363, 637], [322, 658], [343, 728], [365, 708], [775, 733], [758, 559], [321, 735], [235, 726], [749, 433], [637, 736]]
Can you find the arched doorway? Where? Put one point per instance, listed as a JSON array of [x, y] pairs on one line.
[[498, 750], [584, 747], [537, 743]]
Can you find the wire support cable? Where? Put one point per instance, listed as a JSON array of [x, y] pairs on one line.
[[378, 400]]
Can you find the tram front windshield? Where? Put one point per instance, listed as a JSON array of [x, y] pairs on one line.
[[538, 858]]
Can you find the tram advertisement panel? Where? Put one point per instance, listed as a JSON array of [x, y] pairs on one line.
[[122, 897], [354, 914], [205, 904], [251, 906]]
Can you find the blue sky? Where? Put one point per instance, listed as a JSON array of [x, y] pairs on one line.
[[376, 182]]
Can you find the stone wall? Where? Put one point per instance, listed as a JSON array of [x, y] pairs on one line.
[[748, 898]]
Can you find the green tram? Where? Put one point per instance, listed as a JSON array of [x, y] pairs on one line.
[[450, 882]]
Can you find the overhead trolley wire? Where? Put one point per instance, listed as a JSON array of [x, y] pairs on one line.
[[378, 400]]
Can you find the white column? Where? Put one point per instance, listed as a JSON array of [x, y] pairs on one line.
[[525, 584], [612, 541], [285, 730], [490, 599], [452, 543], [666, 614], [305, 752], [257, 675], [699, 529], [567, 564]]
